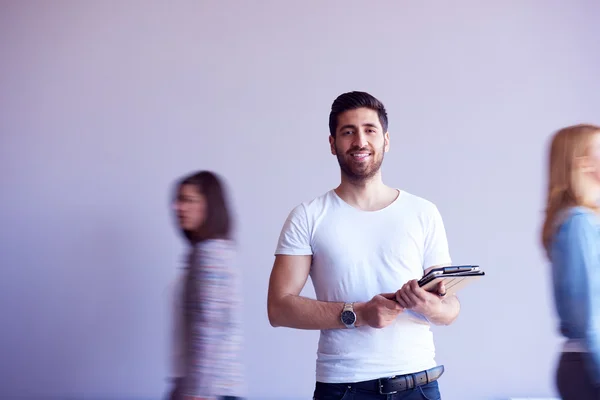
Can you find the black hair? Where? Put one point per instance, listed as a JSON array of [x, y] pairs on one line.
[[353, 100]]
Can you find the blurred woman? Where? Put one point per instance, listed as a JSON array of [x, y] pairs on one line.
[[571, 237], [211, 339]]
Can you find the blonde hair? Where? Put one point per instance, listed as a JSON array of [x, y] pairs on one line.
[[565, 188]]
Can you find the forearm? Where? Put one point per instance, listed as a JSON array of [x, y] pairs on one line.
[[303, 313], [447, 311]]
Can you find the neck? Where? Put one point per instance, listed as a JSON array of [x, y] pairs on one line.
[[369, 194]]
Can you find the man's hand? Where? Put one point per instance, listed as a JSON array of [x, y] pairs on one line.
[[414, 298], [378, 312]]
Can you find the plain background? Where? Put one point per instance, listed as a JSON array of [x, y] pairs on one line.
[[103, 104]]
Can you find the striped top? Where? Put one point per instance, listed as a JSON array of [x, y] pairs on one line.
[[212, 323]]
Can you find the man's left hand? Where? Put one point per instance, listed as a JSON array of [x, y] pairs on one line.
[[413, 297]]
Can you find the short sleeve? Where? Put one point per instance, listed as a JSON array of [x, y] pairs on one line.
[[436, 250], [294, 238]]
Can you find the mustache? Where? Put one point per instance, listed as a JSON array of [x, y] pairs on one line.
[[356, 148]]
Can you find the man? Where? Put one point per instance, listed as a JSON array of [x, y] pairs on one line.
[[365, 245]]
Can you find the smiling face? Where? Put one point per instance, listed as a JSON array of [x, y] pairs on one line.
[[359, 144]]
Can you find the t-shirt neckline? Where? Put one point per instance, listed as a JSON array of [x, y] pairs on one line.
[[342, 201]]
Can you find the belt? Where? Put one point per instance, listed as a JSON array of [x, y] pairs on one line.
[[399, 383]]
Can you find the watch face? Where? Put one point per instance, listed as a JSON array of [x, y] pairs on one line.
[[348, 317]]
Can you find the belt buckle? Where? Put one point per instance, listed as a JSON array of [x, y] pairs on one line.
[[381, 386]]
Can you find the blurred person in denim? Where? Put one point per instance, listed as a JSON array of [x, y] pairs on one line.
[[211, 336], [571, 238]]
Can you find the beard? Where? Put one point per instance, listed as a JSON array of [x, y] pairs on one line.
[[360, 171]]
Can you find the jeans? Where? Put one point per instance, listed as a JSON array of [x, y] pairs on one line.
[[572, 379], [342, 391]]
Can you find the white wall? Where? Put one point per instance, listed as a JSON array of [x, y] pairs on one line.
[[104, 104]]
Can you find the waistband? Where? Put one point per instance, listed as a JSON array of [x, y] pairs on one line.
[[398, 383]]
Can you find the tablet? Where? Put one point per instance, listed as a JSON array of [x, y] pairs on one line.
[[454, 269], [454, 278], [451, 269]]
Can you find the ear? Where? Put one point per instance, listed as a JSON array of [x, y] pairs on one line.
[[386, 142], [332, 144]]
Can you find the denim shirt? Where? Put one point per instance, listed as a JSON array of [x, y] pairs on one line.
[[575, 258]]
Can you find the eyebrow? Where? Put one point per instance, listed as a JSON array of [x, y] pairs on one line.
[[350, 126]]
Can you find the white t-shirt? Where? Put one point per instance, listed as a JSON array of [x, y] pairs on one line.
[[356, 255]]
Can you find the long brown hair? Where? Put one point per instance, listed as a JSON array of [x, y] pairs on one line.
[[564, 178]]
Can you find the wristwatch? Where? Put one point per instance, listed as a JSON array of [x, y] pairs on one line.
[[348, 316]]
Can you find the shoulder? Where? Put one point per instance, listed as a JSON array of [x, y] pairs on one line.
[[215, 244], [418, 204], [577, 219], [576, 228], [314, 206], [216, 248], [576, 237]]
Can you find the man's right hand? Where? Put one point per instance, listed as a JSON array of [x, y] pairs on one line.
[[378, 312]]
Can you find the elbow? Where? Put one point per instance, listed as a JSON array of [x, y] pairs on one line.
[[274, 313], [273, 322]]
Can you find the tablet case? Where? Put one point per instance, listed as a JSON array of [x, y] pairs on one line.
[[455, 278]]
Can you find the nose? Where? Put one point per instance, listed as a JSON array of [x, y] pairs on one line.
[[360, 140]]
